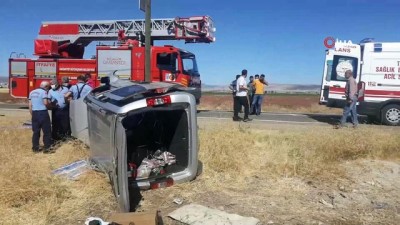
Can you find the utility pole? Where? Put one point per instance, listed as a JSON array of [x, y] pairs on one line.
[[147, 41]]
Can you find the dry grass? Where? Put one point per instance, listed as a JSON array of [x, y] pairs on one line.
[[270, 172], [316, 152], [239, 160], [31, 195]]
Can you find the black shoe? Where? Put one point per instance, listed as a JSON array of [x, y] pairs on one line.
[[48, 150], [247, 120], [35, 150], [237, 118], [252, 113]]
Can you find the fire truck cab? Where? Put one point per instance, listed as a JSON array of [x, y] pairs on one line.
[[168, 64], [376, 68]]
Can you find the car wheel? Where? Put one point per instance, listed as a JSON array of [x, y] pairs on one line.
[[391, 115]]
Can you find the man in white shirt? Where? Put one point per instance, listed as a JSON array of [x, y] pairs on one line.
[[241, 98]]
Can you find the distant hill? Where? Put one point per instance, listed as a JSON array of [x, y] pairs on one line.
[[277, 88], [3, 79]]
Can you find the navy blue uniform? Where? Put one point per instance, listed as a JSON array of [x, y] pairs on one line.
[[59, 114], [40, 119]]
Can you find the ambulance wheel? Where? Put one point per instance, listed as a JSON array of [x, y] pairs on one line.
[[391, 115]]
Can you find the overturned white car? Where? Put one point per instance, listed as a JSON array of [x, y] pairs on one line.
[[143, 135]]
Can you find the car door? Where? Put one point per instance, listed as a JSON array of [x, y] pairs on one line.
[[326, 77], [338, 80]]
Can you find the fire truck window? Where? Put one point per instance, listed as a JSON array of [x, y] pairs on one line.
[[340, 65], [166, 61], [189, 66]]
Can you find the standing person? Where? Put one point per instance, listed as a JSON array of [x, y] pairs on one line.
[[88, 80], [259, 94], [79, 90], [38, 104], [351, 100], [242, 100], [232, 87], [251, 91], [65, 82], [59, 110], [252, 108]]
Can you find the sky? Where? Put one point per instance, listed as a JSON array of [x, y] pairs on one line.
[[281, 39]]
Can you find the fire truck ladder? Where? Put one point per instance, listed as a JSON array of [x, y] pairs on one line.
[[198, 29]]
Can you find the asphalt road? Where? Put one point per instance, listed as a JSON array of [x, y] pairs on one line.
[[289, 118]]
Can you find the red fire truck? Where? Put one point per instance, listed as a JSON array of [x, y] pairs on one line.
[[60, 48]]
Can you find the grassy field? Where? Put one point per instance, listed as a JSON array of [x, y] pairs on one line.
[[260, 170]]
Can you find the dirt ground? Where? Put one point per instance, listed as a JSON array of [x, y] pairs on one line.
[[368, 193], [6, 98]]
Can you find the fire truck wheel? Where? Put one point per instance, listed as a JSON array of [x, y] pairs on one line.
[[391, 115]]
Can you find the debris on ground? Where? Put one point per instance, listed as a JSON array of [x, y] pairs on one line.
[[27, 124], [194, 214], [178, 201], [74, 170], [150, 218], [95, 221]]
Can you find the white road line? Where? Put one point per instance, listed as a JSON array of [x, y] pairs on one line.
[[277, 121]]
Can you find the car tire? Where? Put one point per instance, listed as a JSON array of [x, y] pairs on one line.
[[391, 115]]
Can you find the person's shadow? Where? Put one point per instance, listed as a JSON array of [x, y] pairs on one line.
[[134, 197], [335, 119]]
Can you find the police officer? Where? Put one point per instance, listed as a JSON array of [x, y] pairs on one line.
[[38, 103], [80, 90], [60, 112]]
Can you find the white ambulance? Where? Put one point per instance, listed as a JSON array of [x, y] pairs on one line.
[[376, 68]]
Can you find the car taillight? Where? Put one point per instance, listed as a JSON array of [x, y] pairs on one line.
[[158, 101], [162, 184]]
